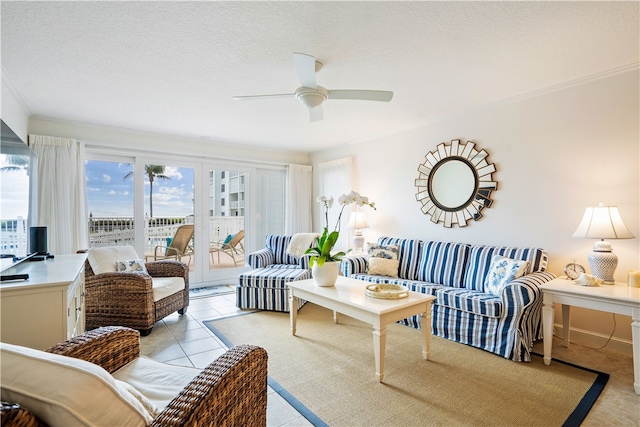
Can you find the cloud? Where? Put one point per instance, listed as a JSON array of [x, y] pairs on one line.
[[172, 172], [93, 189], [106, 178], [112, 193]]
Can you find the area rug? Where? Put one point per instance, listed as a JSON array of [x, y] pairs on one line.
[[207, 291], [327, 372]]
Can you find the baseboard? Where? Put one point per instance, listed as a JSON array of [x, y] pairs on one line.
[[596, 340]]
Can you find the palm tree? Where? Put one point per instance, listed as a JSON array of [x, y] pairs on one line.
[[153, 172], [16, 163]]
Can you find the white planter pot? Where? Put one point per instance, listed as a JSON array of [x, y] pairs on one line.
[[327, 274]]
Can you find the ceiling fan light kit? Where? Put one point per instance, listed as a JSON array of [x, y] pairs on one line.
[[313, 96]]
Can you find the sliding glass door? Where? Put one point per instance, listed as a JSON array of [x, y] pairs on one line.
[[145, 201]]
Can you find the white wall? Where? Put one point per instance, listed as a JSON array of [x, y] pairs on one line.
[[12, 111], [556, 152]]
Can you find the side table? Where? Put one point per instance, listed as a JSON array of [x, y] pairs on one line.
[[618, 298]]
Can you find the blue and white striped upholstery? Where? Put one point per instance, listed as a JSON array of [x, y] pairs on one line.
[[267, 289], [480, 261], [353, 264], [408, 255], [261, 258], [507, 324], [443, 263], [278, 245]]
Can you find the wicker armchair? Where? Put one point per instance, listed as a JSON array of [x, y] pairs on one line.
[[126, 299], [231, 391]]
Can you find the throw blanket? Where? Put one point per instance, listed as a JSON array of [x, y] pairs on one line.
[[300, 242]]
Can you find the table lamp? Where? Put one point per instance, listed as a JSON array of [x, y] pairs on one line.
[[602, 222], [357, 221]]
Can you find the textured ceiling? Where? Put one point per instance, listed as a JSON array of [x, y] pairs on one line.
[[172, 67]]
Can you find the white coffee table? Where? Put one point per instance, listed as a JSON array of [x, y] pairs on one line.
[[348, 297], [618, 298]]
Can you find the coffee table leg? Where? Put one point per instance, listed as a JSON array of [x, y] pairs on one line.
[[379, 344], [293, 311], [425, 326]]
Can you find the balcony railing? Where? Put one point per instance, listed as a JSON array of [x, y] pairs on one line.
[[115, 231]]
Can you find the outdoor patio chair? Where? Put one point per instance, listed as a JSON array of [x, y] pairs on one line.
[[179, 247], [232, 247]]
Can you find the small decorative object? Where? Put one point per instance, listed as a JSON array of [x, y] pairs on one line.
[[587, 280], [454, 183], [633, 278], [386, 291], [321, 252], [602, 222], [573, 270], [358, 221]]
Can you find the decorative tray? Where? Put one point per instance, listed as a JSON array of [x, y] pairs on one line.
[[385, 291]]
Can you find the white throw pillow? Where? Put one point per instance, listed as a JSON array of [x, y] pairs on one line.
[[103, 260], [502, 271], [65, 391], [382, 260], [383, 267], [131, 265]]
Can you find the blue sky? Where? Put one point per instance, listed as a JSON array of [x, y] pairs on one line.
[[14, 187], [110, 195]]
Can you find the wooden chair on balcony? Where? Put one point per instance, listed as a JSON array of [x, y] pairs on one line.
[[232, 247], [179, 247]]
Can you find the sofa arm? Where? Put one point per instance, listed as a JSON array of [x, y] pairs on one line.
[[111, 347], [525, 290], [355, 264], [261, 258], [231, 391]]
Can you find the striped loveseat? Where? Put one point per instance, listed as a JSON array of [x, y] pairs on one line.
[[464, 311]]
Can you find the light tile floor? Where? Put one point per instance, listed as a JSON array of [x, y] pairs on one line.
[[184, 340]]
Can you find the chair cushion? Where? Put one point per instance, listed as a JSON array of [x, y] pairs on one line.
[[64, 391], [158, 382], [162, 287], [278, 245], [103, 260], [272, 277]]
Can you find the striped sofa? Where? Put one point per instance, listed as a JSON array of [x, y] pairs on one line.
[[463, 311], [264, 287]]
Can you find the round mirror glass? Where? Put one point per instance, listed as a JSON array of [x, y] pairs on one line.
[[453, 184]]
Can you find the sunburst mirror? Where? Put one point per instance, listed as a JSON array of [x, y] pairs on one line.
[[455, 183]]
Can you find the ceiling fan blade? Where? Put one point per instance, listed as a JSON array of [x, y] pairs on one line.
[[274, 96], [363, 95], [306, 69], [315, 114]]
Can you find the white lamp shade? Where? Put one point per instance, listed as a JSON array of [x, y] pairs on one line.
[[602, 222], [357, 220]]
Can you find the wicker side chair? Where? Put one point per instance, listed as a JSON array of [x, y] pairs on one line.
[[231, 391], [126, 298]]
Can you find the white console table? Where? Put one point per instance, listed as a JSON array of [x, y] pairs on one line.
[[618, 298], [49, 307]]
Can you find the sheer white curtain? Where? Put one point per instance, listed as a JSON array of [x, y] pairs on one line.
[[62, 202], [299, 199], [334, 181]]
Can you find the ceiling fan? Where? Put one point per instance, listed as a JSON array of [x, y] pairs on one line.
[[312, 95]]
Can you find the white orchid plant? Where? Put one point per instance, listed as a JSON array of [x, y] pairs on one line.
[[321, 252]]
